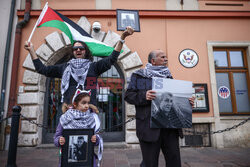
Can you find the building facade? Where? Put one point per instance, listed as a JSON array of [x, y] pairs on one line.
[[207, 42]]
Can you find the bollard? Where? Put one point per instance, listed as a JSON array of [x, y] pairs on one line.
[[13, 136]]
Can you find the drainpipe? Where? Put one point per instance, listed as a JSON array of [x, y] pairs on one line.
[[14, 73]]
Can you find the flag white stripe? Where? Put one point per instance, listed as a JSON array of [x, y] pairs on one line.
[[38, 20], [77, 36], [45, 8]]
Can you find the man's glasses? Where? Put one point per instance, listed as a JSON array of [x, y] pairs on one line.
[[75, 48]]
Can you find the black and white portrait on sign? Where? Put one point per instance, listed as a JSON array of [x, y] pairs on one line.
[[170, 112], [78, 147], [170, 109], [127, 18]]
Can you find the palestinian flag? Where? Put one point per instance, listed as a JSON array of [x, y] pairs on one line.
[[52, 18]]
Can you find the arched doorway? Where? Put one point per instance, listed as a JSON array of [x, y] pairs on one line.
[[109, 102], [55, 49]]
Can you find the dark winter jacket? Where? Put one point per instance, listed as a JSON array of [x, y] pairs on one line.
[[136, 95]]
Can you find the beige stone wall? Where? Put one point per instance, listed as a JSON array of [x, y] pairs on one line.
[[239, 137]]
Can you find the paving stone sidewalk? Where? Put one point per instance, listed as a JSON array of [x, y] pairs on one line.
[[191, 157]]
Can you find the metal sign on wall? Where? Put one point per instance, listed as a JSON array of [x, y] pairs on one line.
[[188, 58]]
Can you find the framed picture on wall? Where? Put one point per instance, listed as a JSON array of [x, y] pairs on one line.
[[201, 98], [126, 18], [78, 148]]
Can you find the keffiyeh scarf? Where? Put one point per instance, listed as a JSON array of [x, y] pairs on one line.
[[154, 71], [75, 119], [78, 69]]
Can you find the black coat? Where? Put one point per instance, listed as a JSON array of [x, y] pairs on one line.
[[95, 69], [136, 95], [81, 151]]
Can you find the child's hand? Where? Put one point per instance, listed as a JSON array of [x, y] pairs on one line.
[[62, 140], [93, 139]]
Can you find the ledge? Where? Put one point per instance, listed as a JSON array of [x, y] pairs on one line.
[[105, 145], [149, 13], [203, 120], [234, 117]]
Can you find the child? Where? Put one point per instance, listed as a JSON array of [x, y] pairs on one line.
[[80, 117]]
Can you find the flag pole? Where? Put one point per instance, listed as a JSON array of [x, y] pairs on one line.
[[38, 20]]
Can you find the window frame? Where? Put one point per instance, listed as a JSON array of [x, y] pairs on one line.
[[230, 70]]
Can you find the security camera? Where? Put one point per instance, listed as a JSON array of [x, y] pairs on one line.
[[96, 27]]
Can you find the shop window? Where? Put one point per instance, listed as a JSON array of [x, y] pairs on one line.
[[232, 78]]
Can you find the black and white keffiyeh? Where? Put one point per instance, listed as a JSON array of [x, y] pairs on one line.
[[154, 71], [75, 119], [78, 69]]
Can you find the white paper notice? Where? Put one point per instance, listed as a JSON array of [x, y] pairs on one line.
[[178, 88]]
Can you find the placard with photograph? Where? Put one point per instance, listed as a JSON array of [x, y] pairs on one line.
[[126, 18], [171, 107], [78, 149]]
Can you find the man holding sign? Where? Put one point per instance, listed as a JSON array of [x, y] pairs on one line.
[[140, 94]]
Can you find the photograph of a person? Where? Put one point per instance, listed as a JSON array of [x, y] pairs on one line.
[[127, 18], [78, 147], [168, 111]]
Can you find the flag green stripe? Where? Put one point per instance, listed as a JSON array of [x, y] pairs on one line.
[[60, 25], [99, 49]]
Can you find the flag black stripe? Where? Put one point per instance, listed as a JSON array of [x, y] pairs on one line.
[[73, 24]]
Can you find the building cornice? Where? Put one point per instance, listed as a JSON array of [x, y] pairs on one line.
[[148, 13]]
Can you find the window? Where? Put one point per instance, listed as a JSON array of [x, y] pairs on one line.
[[232, 79]]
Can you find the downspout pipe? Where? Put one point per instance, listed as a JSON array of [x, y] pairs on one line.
[[6, 57], [16, 56]]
